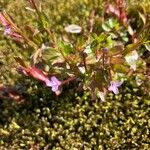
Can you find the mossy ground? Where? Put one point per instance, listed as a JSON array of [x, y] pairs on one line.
[[71, 121]]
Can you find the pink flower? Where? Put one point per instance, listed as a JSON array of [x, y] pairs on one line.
[[35, 73], [38, 74], [3, 20], [54, 83], [113, 10], [114, 87], [8, 29], [118, 11]]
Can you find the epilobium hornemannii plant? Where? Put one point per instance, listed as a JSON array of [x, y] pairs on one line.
[[98, 60]]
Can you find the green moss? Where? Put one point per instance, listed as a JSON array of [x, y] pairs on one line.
[[73, 120], [76, 122]]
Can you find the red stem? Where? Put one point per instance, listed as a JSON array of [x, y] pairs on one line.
[[68, 80]]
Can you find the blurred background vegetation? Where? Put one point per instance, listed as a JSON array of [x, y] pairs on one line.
[[39, 120]]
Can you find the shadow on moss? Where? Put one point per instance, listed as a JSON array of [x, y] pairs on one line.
[[74, 121]]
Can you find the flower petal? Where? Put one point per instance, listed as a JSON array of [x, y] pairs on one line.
[[54, 88], [7, 31], [114, 86], [3, 21], [48, 83], [118, 84], [55, 81], [73, 28], [110, 88], [115, 90]]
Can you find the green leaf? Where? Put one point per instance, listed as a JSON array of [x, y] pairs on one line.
[[43, 22], [109, 42], [65, 48], [114, 50], [112, 22], [101, 37], [143, 18], [121, 68], [106, 27], [51, 54], [97, 40], [147, 46], [125, 38], [20, 61], [131, 47]]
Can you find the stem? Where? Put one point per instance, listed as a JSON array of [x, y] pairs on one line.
[[36, 9], [110, 68], [103, 59], [31, 43], [84, 62], [34, 5], [68, 80], [92, 20], [64, 57]]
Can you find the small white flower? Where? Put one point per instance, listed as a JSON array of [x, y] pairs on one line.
[[88, 49], [131, 59], [73, 28], [81, 68], [44, 47]]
